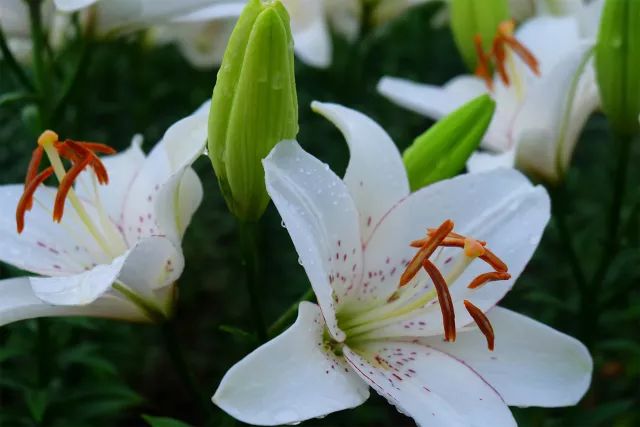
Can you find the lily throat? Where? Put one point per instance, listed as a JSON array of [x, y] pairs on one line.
[[426, 282]]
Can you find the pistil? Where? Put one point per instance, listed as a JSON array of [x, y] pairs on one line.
[[81, 157]]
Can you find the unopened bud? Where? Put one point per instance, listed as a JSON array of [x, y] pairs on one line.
[[254, 105], [470, 18], [617, 60], [443, 150]]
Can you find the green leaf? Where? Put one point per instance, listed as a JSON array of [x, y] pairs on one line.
[[37, 402], [163, 422]]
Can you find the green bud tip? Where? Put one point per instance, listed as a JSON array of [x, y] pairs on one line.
[[254, 105], [443, 150], [617, 62]]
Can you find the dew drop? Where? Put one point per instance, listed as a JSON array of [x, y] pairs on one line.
[[283, 224]]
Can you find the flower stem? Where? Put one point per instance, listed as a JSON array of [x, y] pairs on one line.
[[12, 63], [287, 317], [43, 351], [249, 246], [176, 355], [590, 303], [39, 50], [560, 203]]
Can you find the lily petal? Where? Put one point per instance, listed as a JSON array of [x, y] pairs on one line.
[[433, 388], [122, 169], [310, 32], [78, 289], [322, 219], [45, 247], [532, 364], [18, 302], [154, 262], [376, 176], [292, 378], [223, 10], [501, 207], [430, 100], [73, 5], [550, 39], [486, 161], [153, 192], [548, 125]]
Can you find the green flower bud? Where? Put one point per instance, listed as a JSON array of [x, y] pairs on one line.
[[443, 150], [472, 17], [254, 105], [617, 60]]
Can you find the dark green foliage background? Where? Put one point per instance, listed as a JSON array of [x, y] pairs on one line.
[[103, 373]]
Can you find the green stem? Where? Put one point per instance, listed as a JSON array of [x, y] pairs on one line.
[[560, 203], [287, 317], [13, 64], [39, 51], [176, 355], [623, 144], [590, 304], [249, 245], [44, 352]]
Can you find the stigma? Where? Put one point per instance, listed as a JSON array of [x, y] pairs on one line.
[[81, 156], [504, 43], [445, 237]]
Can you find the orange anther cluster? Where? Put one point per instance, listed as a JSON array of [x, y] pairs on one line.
[[79, 153], [441, 237], [498, 54]]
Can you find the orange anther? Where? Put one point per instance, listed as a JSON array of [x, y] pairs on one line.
[[65, 186], [483, 69], [429, 247], [483, 323], [495, 262], [444, 297], [32, 170], [473, 248], [26, 200], [488, 277]]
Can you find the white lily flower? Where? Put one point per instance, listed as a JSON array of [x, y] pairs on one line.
[[387, 10], [201, 28], [353, 237], [538, 118], [116, 250], [201, 34]]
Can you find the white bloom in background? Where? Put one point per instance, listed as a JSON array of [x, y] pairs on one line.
[[111, 250], [201, 28], [380, 316], [14, 21], [539, 116], [201, 34], [386, 10]]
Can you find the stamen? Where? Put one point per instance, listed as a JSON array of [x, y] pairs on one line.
[[429, 247], [26, 201], [32, 170], [482, 70], [95, 162], [65, 186], [483, 323], [444, 297], [505, 33], [499, 55], [485, 278], [495, 262]]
